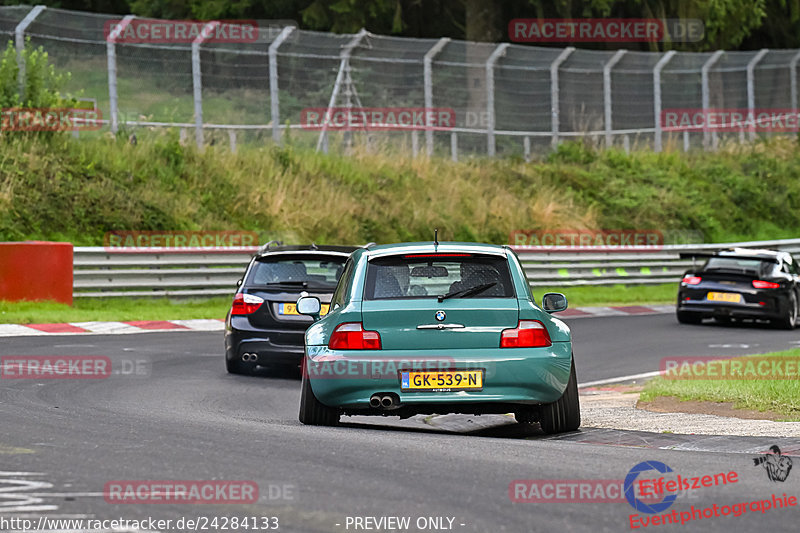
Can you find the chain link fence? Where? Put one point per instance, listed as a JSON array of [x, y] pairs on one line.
[[508, 100]]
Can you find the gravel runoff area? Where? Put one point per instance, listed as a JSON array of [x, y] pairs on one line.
[[615, 409]]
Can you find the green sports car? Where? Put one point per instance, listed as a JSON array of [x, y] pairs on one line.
[[424, 328]]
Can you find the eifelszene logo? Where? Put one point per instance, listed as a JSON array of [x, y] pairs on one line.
[[777, 466]]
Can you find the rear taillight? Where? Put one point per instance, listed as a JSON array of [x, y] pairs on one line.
[[352, 336], [759, 284], [527, 334], [691, 280], [245, 304]]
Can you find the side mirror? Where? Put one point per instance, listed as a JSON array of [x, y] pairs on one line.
[[553, 302], [309, 305]]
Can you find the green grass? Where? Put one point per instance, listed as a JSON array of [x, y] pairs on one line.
[[780, 395], [112, 309], [607, 295], [77, 189]]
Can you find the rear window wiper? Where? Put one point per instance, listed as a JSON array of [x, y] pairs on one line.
[[299, 283], [468, 292]]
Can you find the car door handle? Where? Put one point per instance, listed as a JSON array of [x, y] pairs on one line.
[[440, 326]]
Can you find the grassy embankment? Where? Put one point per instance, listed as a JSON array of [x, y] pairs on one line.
[[76, 190]]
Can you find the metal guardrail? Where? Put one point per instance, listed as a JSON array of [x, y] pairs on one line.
[[186, 272], [107, 272]]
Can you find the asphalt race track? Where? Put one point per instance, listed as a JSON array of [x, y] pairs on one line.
[[179, 416]]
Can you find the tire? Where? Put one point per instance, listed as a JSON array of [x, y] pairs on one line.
[[312, 411], [688, 318], [789, 320], [565, 413], [238, 367]]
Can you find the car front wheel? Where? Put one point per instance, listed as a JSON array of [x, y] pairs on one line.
[[565, 413]]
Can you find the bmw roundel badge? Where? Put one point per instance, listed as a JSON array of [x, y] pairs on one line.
[[440, 315]]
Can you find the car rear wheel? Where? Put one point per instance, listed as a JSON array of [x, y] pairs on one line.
[[312, 411], [789, 320], [565, 413], [238, 367], [689, 318]]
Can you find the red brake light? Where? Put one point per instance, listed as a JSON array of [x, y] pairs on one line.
[[691, 280], [352, 336], [245, 304], [527, 334], [759, 284]]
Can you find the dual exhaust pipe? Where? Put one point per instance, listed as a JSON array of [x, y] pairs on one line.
[[384, 400], [250, 357]]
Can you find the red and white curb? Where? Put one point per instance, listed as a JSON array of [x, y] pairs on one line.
[[111, 328], [624, 310]]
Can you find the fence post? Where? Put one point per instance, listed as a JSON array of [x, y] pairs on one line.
[[19, 41], [751, 90], [554, 110], [232, 140], [490, 117], [793, 79], [111, 60], [454, 146], [706, 95], [657, 97], [607, 93], [344, 64], [274, 102], [427, 74], [197, 81]]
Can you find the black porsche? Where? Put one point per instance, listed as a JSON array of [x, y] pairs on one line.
[[741, 283], [263, 327]]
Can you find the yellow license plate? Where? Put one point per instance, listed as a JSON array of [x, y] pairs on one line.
[[449, 380], [291, 309], [730, 297]]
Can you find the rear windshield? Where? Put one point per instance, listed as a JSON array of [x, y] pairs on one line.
[[744, 266], [321, 272], [432, 275]]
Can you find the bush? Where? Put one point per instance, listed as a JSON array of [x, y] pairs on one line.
[[42, 87]]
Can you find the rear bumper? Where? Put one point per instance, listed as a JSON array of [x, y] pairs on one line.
[[721, 310], [524, 376], [268, 352]]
